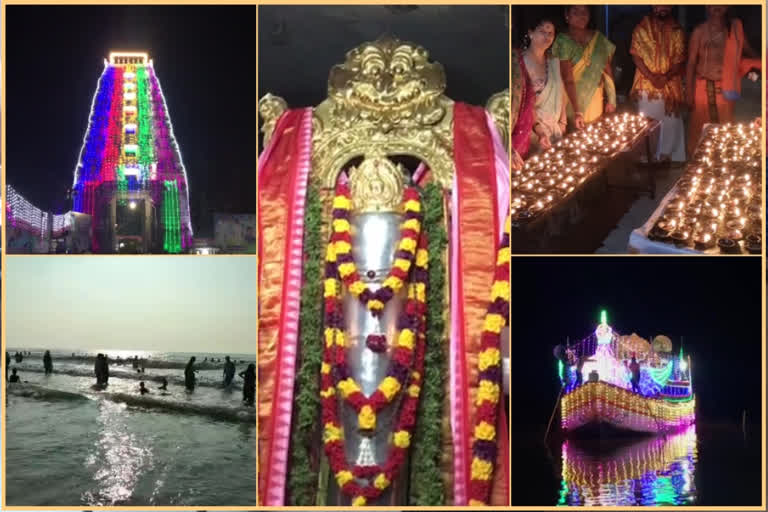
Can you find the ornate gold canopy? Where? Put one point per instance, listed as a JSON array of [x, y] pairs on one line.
[[385, 99]]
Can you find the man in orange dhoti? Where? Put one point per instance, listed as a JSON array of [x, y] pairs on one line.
[[719, 56], [658, 50]]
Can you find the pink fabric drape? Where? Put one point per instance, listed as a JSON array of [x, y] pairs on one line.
[[274, 494], [503, 175]]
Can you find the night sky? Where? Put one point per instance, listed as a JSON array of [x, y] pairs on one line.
[[204, 57], [713, 303]]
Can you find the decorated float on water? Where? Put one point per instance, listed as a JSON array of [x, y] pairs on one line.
[[624, 383]]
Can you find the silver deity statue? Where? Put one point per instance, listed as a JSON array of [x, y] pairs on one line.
[[376, 189]]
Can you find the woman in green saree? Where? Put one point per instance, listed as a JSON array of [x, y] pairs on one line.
[[585, 64]]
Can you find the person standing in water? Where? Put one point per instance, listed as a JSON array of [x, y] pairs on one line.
[[229, 372], [14, 376], [189, 374], [164, 384], [48, 362], [97, 369], [101, 369], [142, 389], [249, 384]]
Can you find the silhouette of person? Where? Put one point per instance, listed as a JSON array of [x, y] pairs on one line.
[[48, 362], [634, 367], [229, 372], [189, 374], [249, 384]]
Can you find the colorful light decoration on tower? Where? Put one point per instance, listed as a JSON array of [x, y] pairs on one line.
[[129, 150]]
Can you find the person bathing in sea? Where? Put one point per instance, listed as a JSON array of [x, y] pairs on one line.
[[229, 372], [97, 369], [142, 389], [14, 376], [164, 384], [48, 362], [249, 384], [101, 369], [189, 374]]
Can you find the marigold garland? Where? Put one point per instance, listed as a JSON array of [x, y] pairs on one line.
[[485, 444], [341, 246], [406, 365]]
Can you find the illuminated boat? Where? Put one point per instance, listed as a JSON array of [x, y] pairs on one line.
[[598, 393]]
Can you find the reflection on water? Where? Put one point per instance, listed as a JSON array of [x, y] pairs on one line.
[[652, 471], [119, 459]]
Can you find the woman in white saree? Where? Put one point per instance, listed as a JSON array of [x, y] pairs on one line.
[[544, 71]]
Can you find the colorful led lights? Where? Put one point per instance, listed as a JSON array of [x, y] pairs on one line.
[[655, 396], [130, 148]]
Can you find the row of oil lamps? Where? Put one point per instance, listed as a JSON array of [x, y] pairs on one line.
[[718, 200], [550, 177]]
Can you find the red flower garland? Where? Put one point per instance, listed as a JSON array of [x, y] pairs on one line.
[[485, 442], [334, 371], [338, 255], [409, 234]]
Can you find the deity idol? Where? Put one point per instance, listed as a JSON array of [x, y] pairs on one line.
[[383, 290]]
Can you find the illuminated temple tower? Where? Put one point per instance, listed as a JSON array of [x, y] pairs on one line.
[[130, 177]]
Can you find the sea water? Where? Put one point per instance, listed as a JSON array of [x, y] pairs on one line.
[[69, 444], [709, 464]]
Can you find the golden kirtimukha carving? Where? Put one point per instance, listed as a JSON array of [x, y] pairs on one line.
[[386, 99], [376, 185], [499, 106], [388, 83]]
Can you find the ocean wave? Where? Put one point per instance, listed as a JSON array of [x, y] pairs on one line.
[[42, 393], [145, 363], [127, 374], [242, 414]]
